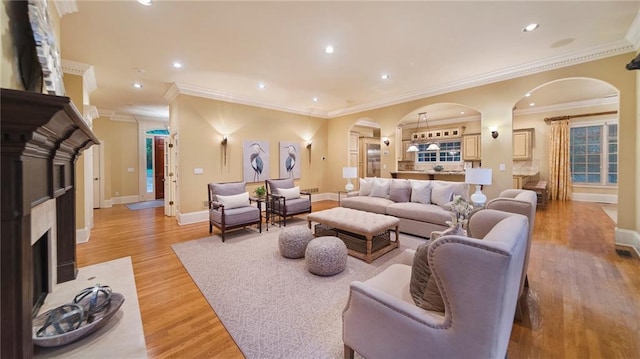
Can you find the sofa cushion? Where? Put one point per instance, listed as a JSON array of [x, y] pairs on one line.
[[421, 192], [367, 203], [365, 187], [423, 286], [441, 194], [420, 212], [400, 191], [236, 216], [234, 200], [380, 189]]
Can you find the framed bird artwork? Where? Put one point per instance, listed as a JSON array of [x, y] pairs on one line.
[[255, 160], [289, 160]]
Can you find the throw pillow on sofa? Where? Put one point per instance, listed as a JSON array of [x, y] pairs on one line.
[[365, 187], [380, 189], [400, 191], [423, 286], [441, 195], [421, 193]]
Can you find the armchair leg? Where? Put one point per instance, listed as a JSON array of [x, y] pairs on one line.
[[348, 352], [222, 235]]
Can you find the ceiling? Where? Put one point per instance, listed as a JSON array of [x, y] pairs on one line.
[[228, 48]]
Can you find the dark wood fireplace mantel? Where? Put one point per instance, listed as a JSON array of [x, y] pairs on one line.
[[42, 136]]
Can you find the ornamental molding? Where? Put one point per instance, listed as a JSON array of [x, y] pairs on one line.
[[65, 7], [79, 69], [612, 100], [633, 35]]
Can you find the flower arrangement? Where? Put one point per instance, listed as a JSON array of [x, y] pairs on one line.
[[460, 211]]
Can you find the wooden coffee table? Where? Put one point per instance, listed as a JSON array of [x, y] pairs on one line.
[[362, 223]]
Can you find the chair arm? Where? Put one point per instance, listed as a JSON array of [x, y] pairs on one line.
[[216, 205], [353, 194], [481, 222], [510, 205], [384, 301]]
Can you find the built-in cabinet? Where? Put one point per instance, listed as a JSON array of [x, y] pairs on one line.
[[519, 181], [471, 150], [522, 140]]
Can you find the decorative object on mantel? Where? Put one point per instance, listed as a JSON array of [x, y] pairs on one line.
[[60, 326], [478, 177], [460, 212], [432, 146]]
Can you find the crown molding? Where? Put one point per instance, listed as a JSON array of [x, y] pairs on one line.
[[574, 58], [114, 116], [65, 7], [567, 106], [633, 35], [191, 90], [79, 69], [90, 113]]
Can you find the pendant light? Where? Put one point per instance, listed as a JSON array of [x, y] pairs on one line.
[[432, 146]]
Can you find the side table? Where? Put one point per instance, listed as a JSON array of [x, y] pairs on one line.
[[260, 201], [340, 193]]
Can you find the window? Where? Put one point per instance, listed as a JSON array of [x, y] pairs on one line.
[[593, 153], [449, 152]]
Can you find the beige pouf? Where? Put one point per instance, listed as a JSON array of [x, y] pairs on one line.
[[293, 241], [326, 256]]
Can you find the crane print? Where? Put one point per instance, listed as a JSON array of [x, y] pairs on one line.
[[256, 160], [289, 160]]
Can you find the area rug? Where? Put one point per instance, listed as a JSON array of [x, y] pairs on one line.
[[272, 306], [122, 336], [145, 205]]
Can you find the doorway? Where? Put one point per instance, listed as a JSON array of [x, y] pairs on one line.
[[154, 164], [158, 166]]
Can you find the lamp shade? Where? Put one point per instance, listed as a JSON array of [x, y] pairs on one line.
[[412, 148], [349, 172], [478, 176]]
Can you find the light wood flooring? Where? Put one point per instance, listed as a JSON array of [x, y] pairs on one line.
[[583, 302]]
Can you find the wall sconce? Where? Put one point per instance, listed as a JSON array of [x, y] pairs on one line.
[[309, 144], [494, 132], [224, 149], [385, 140]]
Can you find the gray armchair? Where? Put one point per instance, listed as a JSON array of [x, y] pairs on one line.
[[280, 205], [478, 281], [522, 202], [230, 207]]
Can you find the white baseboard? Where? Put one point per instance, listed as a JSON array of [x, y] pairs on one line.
[[628, 238], [124, 199], [107, 203], [203, 216], [82, 235], [594, 197]]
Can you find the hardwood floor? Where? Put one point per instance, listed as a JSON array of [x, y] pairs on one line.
[[583, 301]]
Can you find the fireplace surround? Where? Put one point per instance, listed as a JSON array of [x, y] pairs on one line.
[[42, 136]]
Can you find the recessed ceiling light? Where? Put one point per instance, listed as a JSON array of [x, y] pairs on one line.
[[462, 112], [177, 65], [532, 104], [328, 49], [137, 85], [261, 85], [530, 27], [315, 99], [527, 95], [145, 2], [385, 76]]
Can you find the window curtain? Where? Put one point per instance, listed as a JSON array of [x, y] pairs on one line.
[[559, 164]]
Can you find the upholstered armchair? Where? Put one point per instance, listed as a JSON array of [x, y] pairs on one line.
[[522, 202], [230, 207], [285, 199], [478, 282]]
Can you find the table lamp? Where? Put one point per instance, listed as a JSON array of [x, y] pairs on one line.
[[478, 177], [349, 173]]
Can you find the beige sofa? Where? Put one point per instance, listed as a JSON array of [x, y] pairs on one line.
[[478, 280], [422, 206]]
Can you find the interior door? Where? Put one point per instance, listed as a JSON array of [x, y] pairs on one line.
[[96, 176], [158, 168], [169, 175]]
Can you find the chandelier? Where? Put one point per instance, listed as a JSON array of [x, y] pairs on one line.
[[431, 146]]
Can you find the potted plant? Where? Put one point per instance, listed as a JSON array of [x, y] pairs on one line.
[[260, 191]]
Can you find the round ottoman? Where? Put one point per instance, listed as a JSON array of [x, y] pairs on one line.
[[293, 241], [326, 256]]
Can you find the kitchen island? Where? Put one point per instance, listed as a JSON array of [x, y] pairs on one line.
[[452, 176]]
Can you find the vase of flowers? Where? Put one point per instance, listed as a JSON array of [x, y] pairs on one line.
[[460, 212]]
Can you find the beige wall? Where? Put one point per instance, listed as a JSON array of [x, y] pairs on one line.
[[120, 142], [74, 88], [495, 103], [201, 123]]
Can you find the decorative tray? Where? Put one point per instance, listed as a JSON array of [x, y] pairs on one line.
[[85, 328]]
